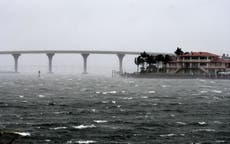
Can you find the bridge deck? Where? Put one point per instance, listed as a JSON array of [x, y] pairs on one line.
[[77, 51]]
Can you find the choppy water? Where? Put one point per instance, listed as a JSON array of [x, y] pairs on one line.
[[73, 109]]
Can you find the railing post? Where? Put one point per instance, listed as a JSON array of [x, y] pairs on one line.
[[85, 56], [16, 56], [50, 57], [120, 57]]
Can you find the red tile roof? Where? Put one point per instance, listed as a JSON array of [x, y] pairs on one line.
[[199, 54]]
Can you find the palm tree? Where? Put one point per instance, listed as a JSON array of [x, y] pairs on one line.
[[139, 60], [150, 61], [137, 63], [179, 51], [144, 55], [160, 59], [167, 59]]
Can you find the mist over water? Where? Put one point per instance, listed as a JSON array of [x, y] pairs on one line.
[[68, 64], [69, 109]]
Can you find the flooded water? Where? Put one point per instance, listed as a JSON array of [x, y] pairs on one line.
[[85, 109]]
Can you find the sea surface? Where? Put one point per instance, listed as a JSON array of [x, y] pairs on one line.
[[69, 109]]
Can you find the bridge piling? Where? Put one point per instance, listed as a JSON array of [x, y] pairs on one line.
[[16, 56], [120, 57], [84, 53], [50, 57], [85, 56]]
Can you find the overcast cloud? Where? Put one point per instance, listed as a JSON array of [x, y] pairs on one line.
[[151, 25], [131, 25]]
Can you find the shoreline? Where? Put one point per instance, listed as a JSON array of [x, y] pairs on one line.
[[173, 76]]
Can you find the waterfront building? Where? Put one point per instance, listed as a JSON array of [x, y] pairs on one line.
[[199, 63]]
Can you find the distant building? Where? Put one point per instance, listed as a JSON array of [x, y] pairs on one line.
[[199, 63], [225, 57]]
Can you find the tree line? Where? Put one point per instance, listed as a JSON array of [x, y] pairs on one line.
[[150, 63], [158, 63]]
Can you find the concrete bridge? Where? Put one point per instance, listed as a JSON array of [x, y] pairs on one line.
[[84, 53]]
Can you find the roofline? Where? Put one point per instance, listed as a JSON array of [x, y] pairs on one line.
[[201, 54]]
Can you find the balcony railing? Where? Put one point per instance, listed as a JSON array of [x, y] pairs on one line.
[[205, 67], [195, 60]]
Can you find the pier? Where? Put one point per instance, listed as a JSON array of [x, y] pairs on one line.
[[84, 53]]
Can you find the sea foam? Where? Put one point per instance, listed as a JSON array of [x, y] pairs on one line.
[[100, 121], [84, 126], [23, 133]]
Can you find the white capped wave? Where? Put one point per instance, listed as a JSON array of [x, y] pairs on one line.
[[97, 92], [23, 133], [168, 135], [151, 92], [86, 142], [122, 110], [58, 128], [58, 112], [100, 121], [216, 98], [204, 130], [127, 98], [172, 115], [220, 141], [181, 123], [206, 86], [41, 96], [81, 141], [114, 102], [202, 123], [182, 134], [144, 97], [105, 102], [113, 92], [84, 126], [217, 122], [123, 91], [118, 106], [171, 135], [109, 92], [164, 86], [203, 91], [21, 96], [216, 91]]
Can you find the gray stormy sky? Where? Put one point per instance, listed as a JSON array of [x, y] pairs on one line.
[[135, 25], [152, 25]]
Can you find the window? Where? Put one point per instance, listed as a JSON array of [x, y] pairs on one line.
[[203, 64], [194, 58]]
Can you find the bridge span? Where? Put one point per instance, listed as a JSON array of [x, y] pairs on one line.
[[84, 53]]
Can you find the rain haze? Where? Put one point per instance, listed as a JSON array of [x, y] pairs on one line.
[[154, 98], [129, 25]]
